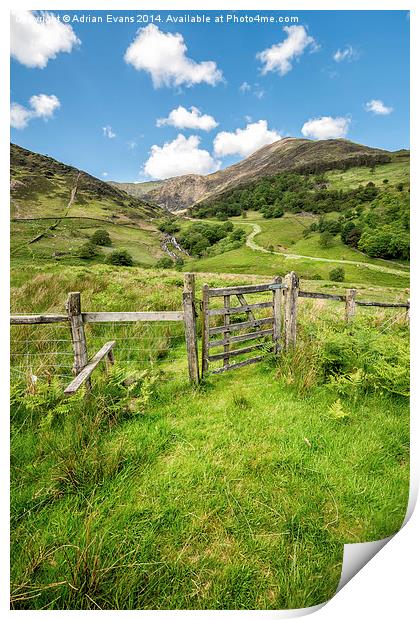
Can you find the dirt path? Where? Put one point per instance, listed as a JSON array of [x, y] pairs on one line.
[[256, 230]]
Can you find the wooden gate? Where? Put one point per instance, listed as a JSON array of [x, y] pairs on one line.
[[240, 320]]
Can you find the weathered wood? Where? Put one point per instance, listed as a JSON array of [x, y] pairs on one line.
[[350, 308], [238, 290], [205, 330], [188, 299], [277, 297], [243, 302], [253, 360], [233, 327], [32, 319], [85, 373], [380, 304], [311, 295], [119, 317], [240, 309], [242, 338], [407, 314], [291, 294], [236, 352], [77, 330], [226, 333]]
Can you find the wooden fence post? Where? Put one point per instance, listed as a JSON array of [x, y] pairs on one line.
[[78, 338], [291, 294], [277, 297], [407, 314], [205, 331], [350, 304], [188, 299]]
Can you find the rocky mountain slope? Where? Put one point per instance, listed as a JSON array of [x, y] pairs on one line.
[[289, 154]]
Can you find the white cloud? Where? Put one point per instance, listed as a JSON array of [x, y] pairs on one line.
[[181, 156], [188, 119], [244, 141], [104, 174], [347, 53], [279, 57], [326, 127], [378, 107], [44, 105], [163, 56], [41, 106], [35, 38], [19, 116], [244, 87], [107, 131]]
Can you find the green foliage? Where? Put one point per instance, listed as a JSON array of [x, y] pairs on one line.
[[202, 238], [120, 258], [165, 263], [88, 250], [385, 242], [101, 237], [326, 239], [337, 274], [169, 226]]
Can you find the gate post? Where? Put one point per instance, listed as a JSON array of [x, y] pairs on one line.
[[78, 337], [350, 303], [277, 295], [291, 294], [188, 300], [205, 331]]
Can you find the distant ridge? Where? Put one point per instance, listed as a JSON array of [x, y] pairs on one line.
[[286, 155]]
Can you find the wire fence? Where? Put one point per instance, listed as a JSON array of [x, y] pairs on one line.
[[45, 351]]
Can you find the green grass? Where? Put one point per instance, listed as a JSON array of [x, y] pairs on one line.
[[237, 495], [396, 172]]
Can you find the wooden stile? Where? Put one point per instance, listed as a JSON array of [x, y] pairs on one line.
[[188, 299], [84, 374], [77, 330]]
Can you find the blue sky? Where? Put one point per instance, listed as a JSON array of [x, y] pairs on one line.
[[78, 95]]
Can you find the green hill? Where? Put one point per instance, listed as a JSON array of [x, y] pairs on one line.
[[55, 208]]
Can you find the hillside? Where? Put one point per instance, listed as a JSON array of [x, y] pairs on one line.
[[55, 208], [287, 155]]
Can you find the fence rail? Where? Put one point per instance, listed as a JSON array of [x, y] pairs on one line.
[[273, 333]]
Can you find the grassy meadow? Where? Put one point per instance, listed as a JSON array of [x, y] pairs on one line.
[[148, 493]]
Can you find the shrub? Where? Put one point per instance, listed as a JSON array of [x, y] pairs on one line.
[[169, 226], [326, 239], [88, 250], [337, 274], [120, 258], [165, 263], [101, 237]]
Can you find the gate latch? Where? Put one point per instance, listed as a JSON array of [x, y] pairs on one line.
[[274, 287]]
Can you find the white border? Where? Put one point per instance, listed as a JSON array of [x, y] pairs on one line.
[[386, 588]]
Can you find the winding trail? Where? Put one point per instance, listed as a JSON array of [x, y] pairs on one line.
[[256, 230]]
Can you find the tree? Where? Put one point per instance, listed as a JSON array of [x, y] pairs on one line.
[[168, 226], [337, 274], [326, 239], [165, 263], [88, 250], [101, 237], [120, 258]]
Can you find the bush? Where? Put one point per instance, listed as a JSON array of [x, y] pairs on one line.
[[101, 237], [168, 226], [165, 263], [337, 274], [120, 258], [326, 239], [88, 250]]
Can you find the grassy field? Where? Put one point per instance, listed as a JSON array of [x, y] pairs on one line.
[[395, 172], [150, 494]]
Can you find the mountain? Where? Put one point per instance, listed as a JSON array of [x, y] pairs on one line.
[[56, 208], [286, 155]]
